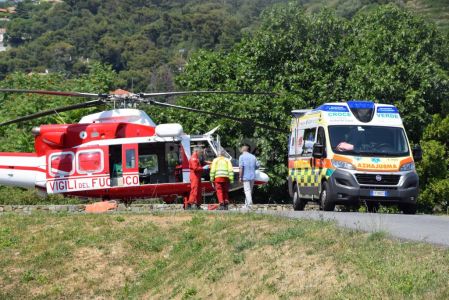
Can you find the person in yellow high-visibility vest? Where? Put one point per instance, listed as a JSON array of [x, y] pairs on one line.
[[221, 174]]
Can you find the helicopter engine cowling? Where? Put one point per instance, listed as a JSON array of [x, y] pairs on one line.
[[54, 138], [169, 130]]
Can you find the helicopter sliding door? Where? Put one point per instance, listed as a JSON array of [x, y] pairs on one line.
[[116, 165], [123, 165], [130, 165]]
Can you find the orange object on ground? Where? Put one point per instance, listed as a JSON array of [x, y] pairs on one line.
[[196, 170], [222, 189], [99, 207], [212, 206]]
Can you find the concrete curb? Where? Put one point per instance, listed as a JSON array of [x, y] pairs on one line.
[[137, 208]]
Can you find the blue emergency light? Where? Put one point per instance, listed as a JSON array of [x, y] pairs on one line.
[[360, 104], [362, 110]]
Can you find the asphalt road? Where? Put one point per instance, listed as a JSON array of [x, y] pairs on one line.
[[422, 228]]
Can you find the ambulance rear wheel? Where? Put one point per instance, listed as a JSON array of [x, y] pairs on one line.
[[298, 202], [326, 202]]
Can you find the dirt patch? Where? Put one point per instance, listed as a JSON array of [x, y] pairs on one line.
[[269, 272], [163, 220], [94, 271]]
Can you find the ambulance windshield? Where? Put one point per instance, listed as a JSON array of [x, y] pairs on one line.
[[368, 140]]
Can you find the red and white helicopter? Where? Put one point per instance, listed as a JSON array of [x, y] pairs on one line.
[[116, 154]]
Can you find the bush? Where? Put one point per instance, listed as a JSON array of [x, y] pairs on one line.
[[435, 197]]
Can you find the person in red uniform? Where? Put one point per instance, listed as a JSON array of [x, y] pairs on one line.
[[196, 170]]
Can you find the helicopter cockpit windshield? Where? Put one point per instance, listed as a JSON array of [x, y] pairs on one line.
[[210, 147]]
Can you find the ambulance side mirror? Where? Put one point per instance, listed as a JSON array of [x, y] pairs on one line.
[[318, 151], [417, 153]]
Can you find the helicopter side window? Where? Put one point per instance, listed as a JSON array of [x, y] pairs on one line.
[[130, 158], [62, 164], [90, 161]]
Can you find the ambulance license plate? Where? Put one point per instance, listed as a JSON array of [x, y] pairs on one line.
[[379, 193]]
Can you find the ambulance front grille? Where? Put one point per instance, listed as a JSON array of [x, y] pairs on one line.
[[378, 179]]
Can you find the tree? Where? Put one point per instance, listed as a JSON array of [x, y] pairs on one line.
[[18, 137], [433, 170], [397, 57], [387, 54]]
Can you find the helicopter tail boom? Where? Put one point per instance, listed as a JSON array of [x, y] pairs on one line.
[[21, 169]]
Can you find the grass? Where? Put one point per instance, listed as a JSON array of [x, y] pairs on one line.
[[19, 196], [200, 255]]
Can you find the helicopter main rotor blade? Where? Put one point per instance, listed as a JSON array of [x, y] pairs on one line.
[[87, 104], [220, 115], [54, 93], [183, 93]]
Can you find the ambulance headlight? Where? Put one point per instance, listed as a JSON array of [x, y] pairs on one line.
[[408, 167], [342, 165]]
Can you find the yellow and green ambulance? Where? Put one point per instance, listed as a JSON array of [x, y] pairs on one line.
[[352, 153]]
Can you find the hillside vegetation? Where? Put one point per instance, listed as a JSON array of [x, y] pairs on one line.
[[148, 42], [210, 256], [437, 10]]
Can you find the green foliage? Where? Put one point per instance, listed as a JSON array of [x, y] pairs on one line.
[[18, 137], [392, 209], [397, 57], [136, 37], [433, 170], [385, 54], [139, 37]]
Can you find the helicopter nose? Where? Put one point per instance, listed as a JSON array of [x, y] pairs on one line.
[[261, 177]]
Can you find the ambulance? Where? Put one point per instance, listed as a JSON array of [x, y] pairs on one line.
[[350, 154]]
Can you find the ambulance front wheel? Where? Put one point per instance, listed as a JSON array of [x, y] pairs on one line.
[[409, 208], [298, 202], [326, 202]]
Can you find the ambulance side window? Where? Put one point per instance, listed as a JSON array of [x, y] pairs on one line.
[[291, 144], [309, 140], [298, 141], [292, 147], [321, 138]]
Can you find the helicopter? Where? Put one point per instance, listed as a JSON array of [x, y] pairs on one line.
[[118, 154]]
